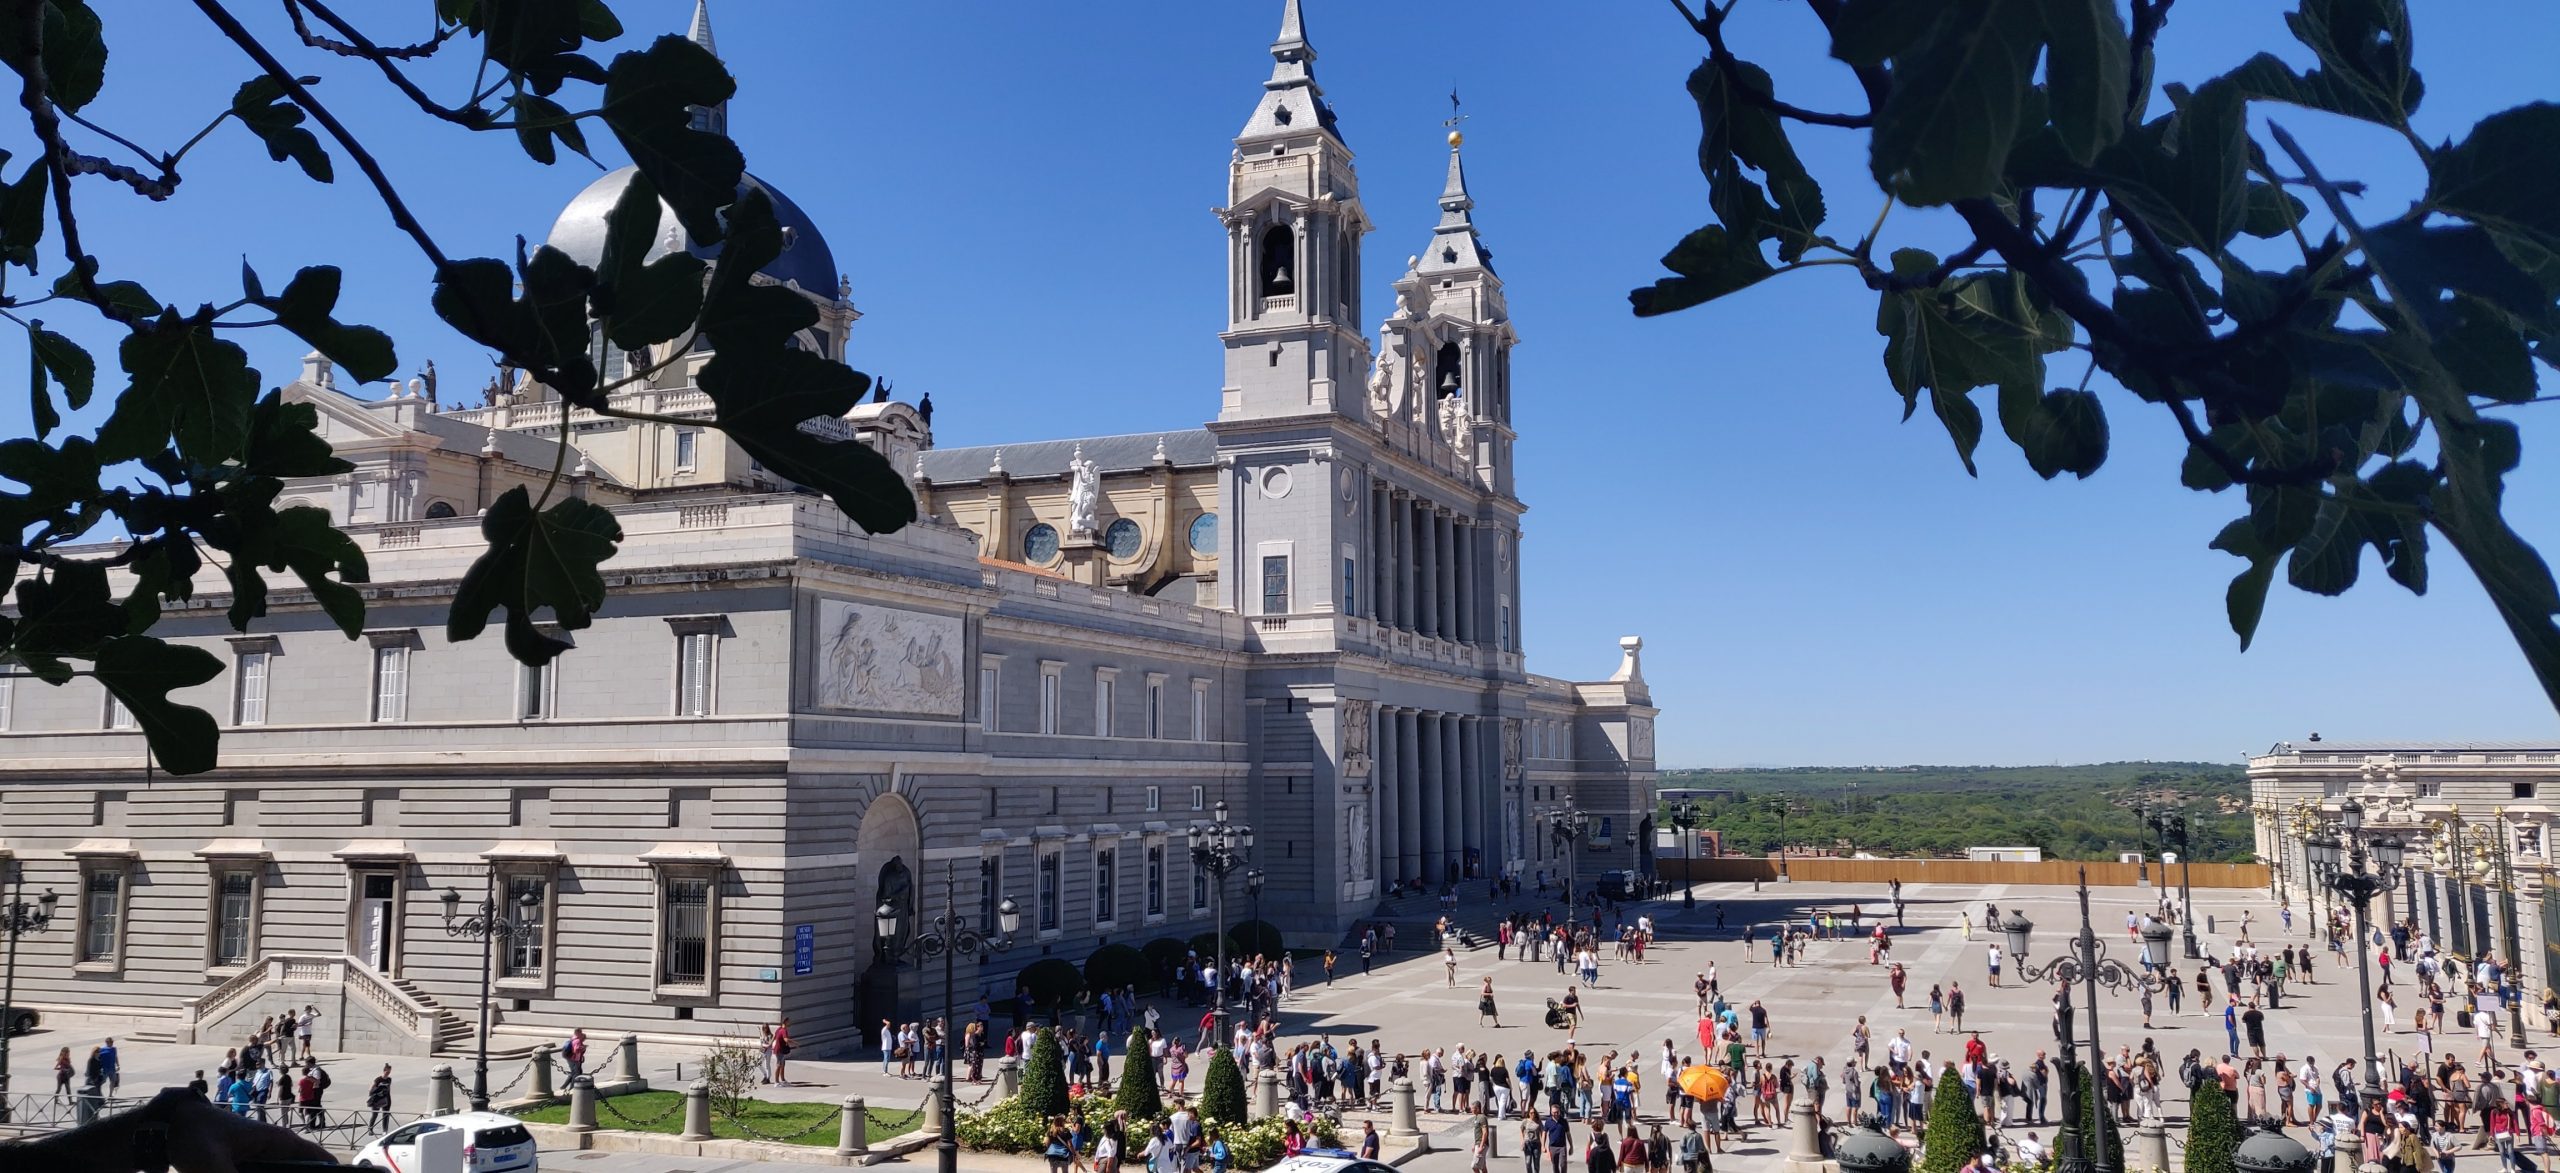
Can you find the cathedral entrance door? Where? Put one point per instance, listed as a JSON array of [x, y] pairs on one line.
[[876, 992]]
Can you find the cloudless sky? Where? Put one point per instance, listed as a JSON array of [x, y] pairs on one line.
[[1021, 195]]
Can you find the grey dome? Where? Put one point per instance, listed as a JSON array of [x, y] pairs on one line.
[[805, 259]]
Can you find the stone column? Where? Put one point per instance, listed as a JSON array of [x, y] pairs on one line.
[[1426, 521], [853, 1130], [1400, 1120], [1008, 1077], [697, 1111], [1467, 582], [582, 1104], [1445, 589], [538, 1073], [2151, 1144], [1804, 1144], [1381, 566], [1470, 801], [1400, 513], [1266, 1094], [1453, 811], [1409, 791], [1435, 798], [1383, 782]]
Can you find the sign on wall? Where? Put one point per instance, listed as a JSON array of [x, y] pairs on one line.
[[804, 950], [882, 659]]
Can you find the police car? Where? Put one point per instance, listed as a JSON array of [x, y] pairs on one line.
[[491, 1143], [1328, 1161]]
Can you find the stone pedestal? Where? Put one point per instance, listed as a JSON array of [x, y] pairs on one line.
[[1266, 1094], [630, 1060], [440, 1090], [932, 1123], [1008, 1077], [582, 1104], [1804, 1140], [853, 1131], [538, 1075], [697, 1111], [1082, 558], [2151, 1145], [1400, 1121]]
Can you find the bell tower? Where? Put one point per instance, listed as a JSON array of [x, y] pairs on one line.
[[1471, 363], [1293, 222]]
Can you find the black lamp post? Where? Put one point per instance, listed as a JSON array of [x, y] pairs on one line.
[[1219, 849], [2089, 966], [949, 939], [488, 924], [2359, 881], [2172, 826], [1684, 815], [2507, 898], [1569, 826], [17, 919], [2142, 857]]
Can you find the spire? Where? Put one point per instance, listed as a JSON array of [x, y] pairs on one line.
[[1453, 241], [1454, 200], [711, 118], [1291, 103]]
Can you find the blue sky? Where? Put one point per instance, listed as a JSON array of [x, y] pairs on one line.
[[1021, 197]]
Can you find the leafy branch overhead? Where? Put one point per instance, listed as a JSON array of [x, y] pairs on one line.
[[2343, 370], [207, 453]]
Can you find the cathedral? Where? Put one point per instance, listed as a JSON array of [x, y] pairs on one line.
[[1303, 617]]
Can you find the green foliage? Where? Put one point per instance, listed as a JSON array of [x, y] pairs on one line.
[[1113, 966], [1138, 1094], [2072, 812], [1955, 1129], [1044, 1075], [1052, 983], [1222, 1091], [2213, 1132], [2347, 389], [2095, 1142], [1163, 954], [790, 1119], [1009, 1126], [210, 454]]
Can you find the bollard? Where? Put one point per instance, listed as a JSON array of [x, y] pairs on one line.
[[538, 1077], [1805, 1147], [440, 1095], [1400, 1118], [697, 1111], [2152, 1139], [852, 1135], [630, 1060], [931, 1124], [1008, 1077], [1266, 1094], [85, 1105], [582, 1103]]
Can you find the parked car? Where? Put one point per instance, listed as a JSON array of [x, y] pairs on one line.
[[491, 1143], [1620, 884], [19, 1020], [1328, 1161]]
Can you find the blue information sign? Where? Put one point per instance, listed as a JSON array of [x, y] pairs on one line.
[[804, 950]]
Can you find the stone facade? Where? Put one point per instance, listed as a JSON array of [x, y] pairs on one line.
[[1309, 610]]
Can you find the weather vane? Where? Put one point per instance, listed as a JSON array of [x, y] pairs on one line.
[[1454, 118]]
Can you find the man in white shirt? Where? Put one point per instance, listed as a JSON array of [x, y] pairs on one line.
[[2031, 1151], [1898, 1052]]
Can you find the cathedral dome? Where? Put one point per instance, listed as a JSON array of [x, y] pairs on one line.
[[805, 259]]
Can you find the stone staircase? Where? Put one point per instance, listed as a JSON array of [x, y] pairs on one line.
[[1416, 914]]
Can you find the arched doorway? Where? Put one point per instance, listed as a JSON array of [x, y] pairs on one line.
[[1644, 850], [889, 846]]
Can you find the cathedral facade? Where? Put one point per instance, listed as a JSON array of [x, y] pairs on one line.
[[1306, 613]]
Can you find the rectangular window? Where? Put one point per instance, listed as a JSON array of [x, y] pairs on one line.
[[1106, 885], [1350, 586], [249, 689], [684, 931], [1275, 584], [1048, 891], [988, 678], [118, 716], [1155, 707], [1199, 887], [1199, 712], [693, 673], [1199, 798], [1049, 685], [1504, 628], [524, 953], [2524, 789], [537, 690], [688, 448], [391, 682], [990, 892], [1106, 696], [235, 889], [1155, 879], [101, 914], [1155, 799]]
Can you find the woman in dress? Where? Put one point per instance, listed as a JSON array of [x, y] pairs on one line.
[[2253, 1088], [1937, 1008], [1484, 1004]]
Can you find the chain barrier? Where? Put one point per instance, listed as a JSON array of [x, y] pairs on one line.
[[521, 1071], [827, 1121], [606, 1103]]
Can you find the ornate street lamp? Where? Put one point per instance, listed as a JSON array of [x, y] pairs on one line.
[[1684, 815], [1569, 826], [2512, 992], [2360, 880], [950, 939], [17, 919], [490, 925], [2089, 966], [1220, 849], [2172, 826]]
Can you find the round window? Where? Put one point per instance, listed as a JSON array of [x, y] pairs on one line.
[[1275, 482], [1204, 535], [1121, 538], [1040, 544]]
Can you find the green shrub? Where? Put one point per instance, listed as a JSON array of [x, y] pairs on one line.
[[1164, 955], [1114, 966], [2213, 1133], [1052, 983], [1007, 1126], [1010, 1126], [2093, 1141], [1044, 1076], [1222, 1093], [1252, 937], [1955, 1129], [1206, 945], [1257, 1145], [1138, 1095]]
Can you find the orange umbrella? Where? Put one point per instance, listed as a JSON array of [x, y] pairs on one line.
[[1703, 1083]]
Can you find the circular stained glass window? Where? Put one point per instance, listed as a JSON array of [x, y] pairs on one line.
[[1040, 544], [1121, 538], [1204, 535]]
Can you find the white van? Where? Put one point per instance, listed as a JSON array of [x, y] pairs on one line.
[[491, 1143]]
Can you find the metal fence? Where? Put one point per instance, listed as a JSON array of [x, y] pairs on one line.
[[350, 1129]]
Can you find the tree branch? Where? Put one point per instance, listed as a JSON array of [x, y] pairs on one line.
[[58, 155], [1711, 27], [473, 116]]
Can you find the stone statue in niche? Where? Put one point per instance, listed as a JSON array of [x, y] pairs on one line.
[[1454, 423], [1640, 739], [1391, 381], [1084, 492], [1510, 747], [1355, 833], [1355, 737]]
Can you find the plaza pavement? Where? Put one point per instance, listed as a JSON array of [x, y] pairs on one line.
[[1408, 1004]]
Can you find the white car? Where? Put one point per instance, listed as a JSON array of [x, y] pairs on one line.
[[1328, 1161], [491, 1143]]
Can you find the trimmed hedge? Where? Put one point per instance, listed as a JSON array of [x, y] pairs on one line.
[[1044, 1076], [2213, 1131], [1955, 1129], [1222, 1093], [1138, 1094], [1114, 966], [1164, 955]]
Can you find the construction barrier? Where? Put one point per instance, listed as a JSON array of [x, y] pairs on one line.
[[1879, 872]]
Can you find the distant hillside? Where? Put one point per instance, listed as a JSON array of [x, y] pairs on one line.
[[2072, 812]]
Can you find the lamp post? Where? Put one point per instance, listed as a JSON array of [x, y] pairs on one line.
[[1569, 826], [2172, 825], [1253, 881], [2142, 830], [1684, 815], [2089, 966], [1219, 849], [949, 939], [2512, 992], [2359, 881], [17, 919], [490, 925], [1778, 804]]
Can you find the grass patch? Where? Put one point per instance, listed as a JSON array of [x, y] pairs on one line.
[[771, 1119]]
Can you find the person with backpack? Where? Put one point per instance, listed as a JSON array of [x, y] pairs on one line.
[[573, 1051], [1597, 1156], [377, 1099]]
